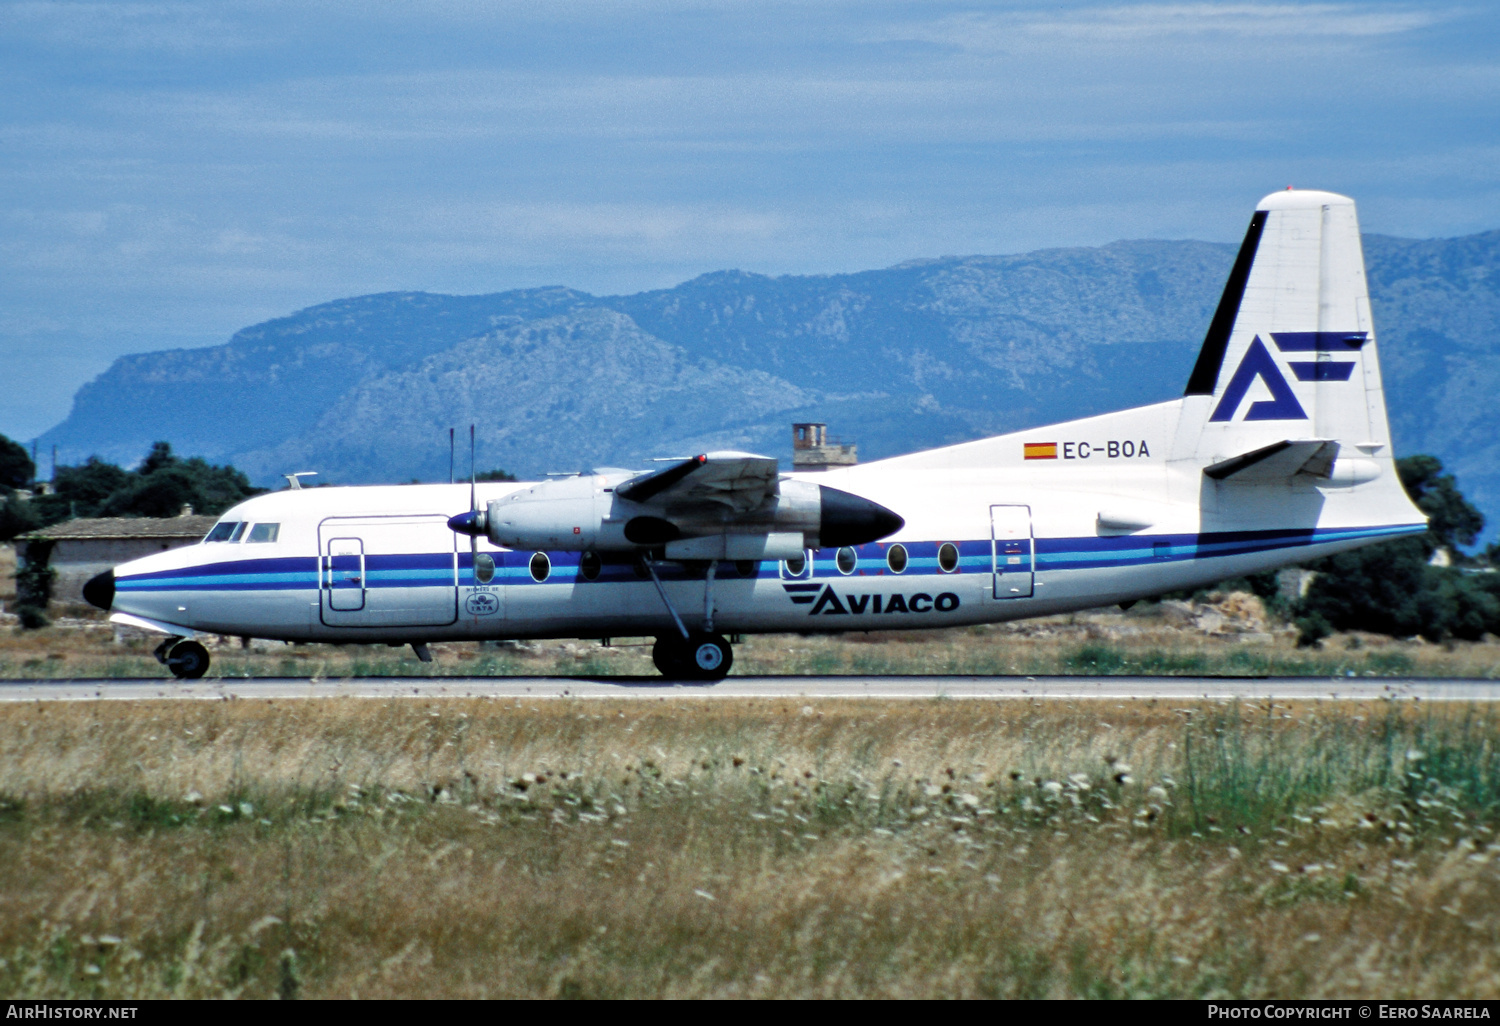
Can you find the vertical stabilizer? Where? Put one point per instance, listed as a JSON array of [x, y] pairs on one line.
[[1290, 353]]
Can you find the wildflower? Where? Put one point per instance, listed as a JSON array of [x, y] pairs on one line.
[[704, 895], [1157, 793], [1280, 867], [246, 809], [1414, 755], [192, 798], [1052, 789]]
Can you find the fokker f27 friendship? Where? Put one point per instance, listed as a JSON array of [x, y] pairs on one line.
[[1278, 452]]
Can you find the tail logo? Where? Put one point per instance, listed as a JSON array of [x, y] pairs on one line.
[[1282, 405], [1258, 363]]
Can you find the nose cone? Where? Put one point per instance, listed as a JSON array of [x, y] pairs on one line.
[[471, 523], [849, 520], [100, 590]]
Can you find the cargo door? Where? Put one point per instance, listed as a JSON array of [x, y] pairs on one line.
[[394, 571]]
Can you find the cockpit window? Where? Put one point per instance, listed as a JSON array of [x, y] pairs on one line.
[[239, 530], [225, 530], [264, 533]]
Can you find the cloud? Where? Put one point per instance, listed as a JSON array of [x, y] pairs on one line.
[[1136, 23], [125, 25]]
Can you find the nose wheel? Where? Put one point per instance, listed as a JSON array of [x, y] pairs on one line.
[[187, 660], [699, 656]]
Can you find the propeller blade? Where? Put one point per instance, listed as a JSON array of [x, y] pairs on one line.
[[473, 509]]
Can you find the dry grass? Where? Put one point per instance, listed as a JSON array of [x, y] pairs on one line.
[[756, 848]]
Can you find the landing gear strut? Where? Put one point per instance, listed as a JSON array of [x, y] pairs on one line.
[[699, 656]]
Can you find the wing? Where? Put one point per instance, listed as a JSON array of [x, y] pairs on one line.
[[735, 481]]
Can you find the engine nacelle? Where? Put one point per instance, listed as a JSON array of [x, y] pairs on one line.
[[565, 514], [583, 513]]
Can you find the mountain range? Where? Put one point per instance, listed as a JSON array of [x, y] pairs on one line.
[[925, 353]]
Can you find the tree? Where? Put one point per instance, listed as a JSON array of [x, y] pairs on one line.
[[1452, 521], [159, 458], [173, 483], [160, 487], [495, 475], [17, 517], [80, 491], [1391, 588], [16, 468]]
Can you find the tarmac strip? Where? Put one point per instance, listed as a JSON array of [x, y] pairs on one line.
[[1185, 689]]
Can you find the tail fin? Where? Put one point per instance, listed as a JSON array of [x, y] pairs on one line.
[[1290, 354]]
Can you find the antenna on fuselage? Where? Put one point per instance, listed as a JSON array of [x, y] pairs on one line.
[[294, 482]]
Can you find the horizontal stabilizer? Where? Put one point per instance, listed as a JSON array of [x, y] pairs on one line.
[[1279, 461]]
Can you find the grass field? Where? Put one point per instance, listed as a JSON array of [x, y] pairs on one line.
[[680, 848]]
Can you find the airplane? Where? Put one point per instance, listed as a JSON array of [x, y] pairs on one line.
[[1278, 452]]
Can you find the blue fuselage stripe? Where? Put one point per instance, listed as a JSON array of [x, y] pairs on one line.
[[437, 570]]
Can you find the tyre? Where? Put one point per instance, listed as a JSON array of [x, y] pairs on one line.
[[698, 657], [188, 660], [709, 657], [669, 656]]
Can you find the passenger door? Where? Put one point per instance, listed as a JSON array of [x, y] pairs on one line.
[[1013, 551], [344, 580]]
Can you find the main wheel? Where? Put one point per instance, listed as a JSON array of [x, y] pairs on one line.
[[670, 656], [699, 656], [709, 657], [188, 660]]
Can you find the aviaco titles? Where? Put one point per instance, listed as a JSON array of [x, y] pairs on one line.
[[1277, 452]]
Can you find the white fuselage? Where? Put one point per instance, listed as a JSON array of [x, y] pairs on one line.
[[1109, 518]]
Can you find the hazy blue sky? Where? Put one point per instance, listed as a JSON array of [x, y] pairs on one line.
[[171, 172]]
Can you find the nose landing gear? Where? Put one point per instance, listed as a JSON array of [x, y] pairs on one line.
[[699, 656], [187, 660]]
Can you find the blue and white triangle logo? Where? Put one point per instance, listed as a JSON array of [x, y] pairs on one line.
[[1282, 405]]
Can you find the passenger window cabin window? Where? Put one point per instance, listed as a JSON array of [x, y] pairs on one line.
[[264, 533], [223, 531]]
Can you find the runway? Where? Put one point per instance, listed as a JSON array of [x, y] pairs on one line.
[[1182, 689]]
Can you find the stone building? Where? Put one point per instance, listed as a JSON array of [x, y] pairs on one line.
[[811, 449], [79, 549]]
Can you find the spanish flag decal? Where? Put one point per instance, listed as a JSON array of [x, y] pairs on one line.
[[1040, 450]]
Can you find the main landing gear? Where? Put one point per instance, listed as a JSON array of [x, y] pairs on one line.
[[691, 655], [187, 660], [699, 656]]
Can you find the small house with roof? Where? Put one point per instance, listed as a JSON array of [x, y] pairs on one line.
[[80, 549]]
